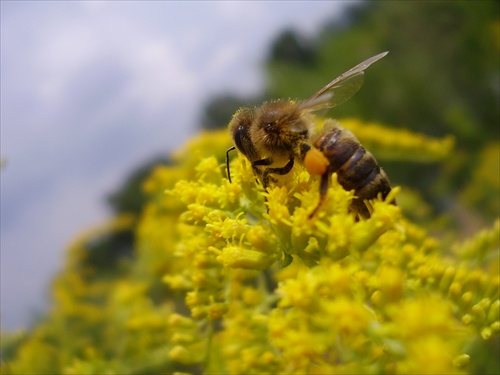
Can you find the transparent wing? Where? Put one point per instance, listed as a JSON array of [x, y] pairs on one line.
[[341, 88]]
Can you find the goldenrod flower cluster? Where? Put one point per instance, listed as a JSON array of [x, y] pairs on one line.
[[272, 290], [229, 278]]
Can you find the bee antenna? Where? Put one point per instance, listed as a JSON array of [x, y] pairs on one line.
[[227, 162]]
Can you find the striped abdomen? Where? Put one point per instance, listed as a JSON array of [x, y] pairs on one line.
[[356, 168]]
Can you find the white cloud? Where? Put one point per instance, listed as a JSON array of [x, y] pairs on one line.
[[154, 70], [157, 76]]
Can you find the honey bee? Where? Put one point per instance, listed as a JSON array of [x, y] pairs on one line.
[[280, 132]]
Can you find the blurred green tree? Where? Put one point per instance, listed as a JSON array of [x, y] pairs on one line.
[[104, 251], [219, 110], [130, 197], [292, 48]]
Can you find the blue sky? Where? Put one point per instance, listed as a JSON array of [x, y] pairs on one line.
[[90, 90]]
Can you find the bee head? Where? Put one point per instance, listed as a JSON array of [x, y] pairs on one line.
[[278, 125], [239, 130]]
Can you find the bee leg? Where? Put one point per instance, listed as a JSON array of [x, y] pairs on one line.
[[264, 175], [280, 171], [258, 175], [323, 190], [360, 209], [262, 162], [258, 172]]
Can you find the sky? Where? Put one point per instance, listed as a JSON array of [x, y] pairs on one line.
[[90, 90]]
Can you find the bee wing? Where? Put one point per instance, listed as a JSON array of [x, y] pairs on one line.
[[341, 88]]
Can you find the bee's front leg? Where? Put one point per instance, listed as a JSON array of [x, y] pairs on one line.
[[259, 172], [280, 171]]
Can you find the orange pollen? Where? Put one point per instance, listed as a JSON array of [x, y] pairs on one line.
[[316, 162]]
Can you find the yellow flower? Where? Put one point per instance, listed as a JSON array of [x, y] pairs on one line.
[[236, 257], [229, 278]]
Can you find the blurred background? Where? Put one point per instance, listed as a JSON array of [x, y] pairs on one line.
[[94, 94]]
